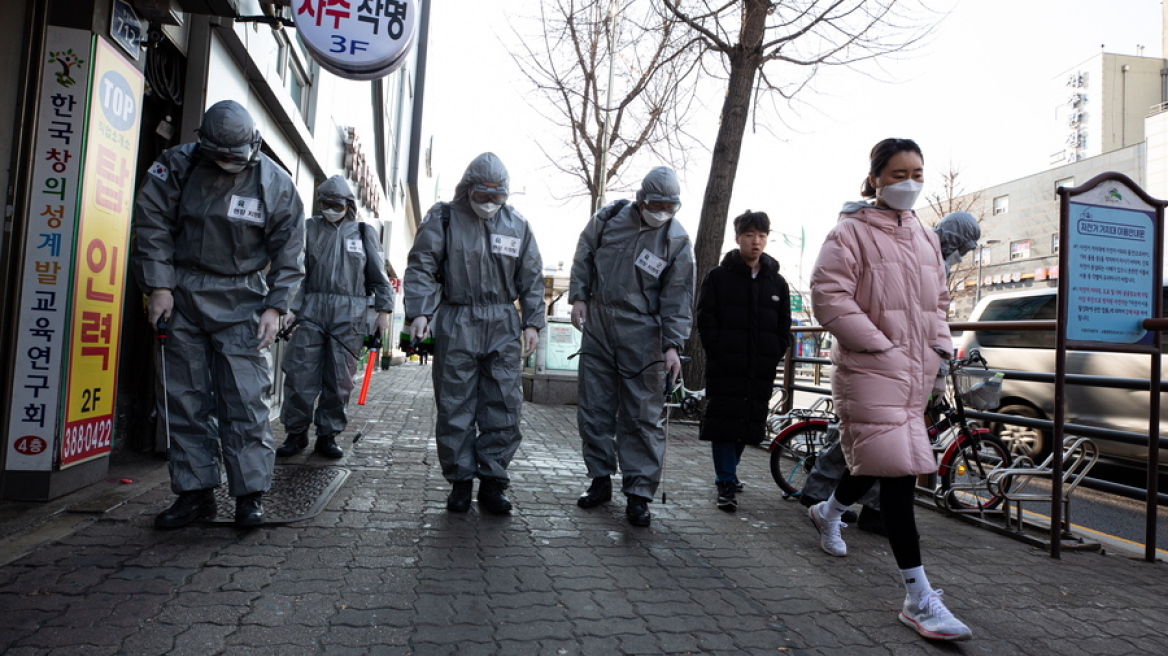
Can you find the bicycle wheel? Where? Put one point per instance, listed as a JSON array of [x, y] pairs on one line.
[[965, 467], [794, 453]]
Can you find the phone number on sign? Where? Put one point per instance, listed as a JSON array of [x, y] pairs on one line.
[[83, 439]]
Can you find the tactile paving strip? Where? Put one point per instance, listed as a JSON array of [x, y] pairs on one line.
[[297, 493]]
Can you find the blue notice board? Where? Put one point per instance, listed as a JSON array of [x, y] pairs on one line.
[[1111, 252]]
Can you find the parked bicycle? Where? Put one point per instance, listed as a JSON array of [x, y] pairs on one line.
[[966, 453], [799, 437], [681, 399]]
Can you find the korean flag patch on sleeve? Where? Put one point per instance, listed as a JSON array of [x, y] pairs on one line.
[[159, 170]]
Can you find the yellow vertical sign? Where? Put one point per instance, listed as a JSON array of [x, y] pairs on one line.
[[107, 195]]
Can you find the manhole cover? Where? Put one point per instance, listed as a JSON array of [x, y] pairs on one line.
[[297, 493]]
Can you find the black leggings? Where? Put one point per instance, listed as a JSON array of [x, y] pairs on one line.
[[896, 506]]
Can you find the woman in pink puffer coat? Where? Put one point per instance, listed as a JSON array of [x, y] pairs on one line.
[[879, 288]]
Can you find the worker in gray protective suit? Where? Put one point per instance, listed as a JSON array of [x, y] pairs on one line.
[[632, 296], [958, 233], [472, 259], [219, 243], [330, 318]]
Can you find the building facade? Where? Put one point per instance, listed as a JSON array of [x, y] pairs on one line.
[[1110, 116], [101, 87]]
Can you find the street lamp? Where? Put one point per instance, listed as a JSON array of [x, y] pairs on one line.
[[981, 258], [613, 12]]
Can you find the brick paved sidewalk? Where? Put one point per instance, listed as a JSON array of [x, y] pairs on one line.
[[385, 570]]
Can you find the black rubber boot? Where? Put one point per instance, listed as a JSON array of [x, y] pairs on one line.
[[726, 496], [190, 506], [459, 499], [638, 511], [293, 444], [249, 509], [491, 497], [326, 445], [599, 492], [871, 521]]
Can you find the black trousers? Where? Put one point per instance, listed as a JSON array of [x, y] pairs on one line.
[[896, 505]]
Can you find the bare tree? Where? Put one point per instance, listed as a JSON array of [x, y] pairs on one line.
[[952, 197], [640, 52], [776, 47]]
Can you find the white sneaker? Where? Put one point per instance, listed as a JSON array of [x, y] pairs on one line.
[[933, 620], [829, 531]]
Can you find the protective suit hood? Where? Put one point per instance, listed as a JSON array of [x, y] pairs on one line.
[[229, 131], [337, 188], [486, 169], [958, 233], [660, 185]]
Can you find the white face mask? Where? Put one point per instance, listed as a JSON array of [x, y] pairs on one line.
[[902, 195], [485, 210], [656, 219], [231, 167], [332, 216]]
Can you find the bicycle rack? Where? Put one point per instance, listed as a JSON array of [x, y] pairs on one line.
[[1014, 484]]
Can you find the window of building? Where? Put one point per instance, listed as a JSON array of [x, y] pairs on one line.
[[1020, 250], [1065, 182], [293, 69], [1054, 241], [1001, 205]]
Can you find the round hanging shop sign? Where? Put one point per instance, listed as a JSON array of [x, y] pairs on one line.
[[357, 39]]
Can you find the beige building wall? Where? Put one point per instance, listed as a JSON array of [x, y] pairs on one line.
[[1156, 133], [1100, 105], [1024, 229]]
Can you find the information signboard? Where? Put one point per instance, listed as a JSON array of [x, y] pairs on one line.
[[33, 411], [107, 196], [1111, 253]]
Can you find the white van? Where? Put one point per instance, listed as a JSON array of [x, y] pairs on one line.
[[1024, 350]]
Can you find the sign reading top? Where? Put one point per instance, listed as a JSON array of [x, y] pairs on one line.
[[357, 39]]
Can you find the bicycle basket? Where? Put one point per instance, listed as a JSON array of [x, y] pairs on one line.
[[980, 389]]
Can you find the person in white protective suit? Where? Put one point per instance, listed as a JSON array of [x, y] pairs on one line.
[[632, 296], [329, 319], [219, 248], [472, 260]]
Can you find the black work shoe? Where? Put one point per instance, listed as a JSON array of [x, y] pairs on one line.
[[491, 497], [726, 498], [249, 509], [190, 506], [599, 492], [638, 511], [739, 485], [293, 444], [872, 521], [459, 499], [326, 445]]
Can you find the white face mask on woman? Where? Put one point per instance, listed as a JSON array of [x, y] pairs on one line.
[[902, 195]]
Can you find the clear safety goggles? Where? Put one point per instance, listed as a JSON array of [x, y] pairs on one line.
[[488, 193], [662, 206], [231, 155], [333, 204]]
